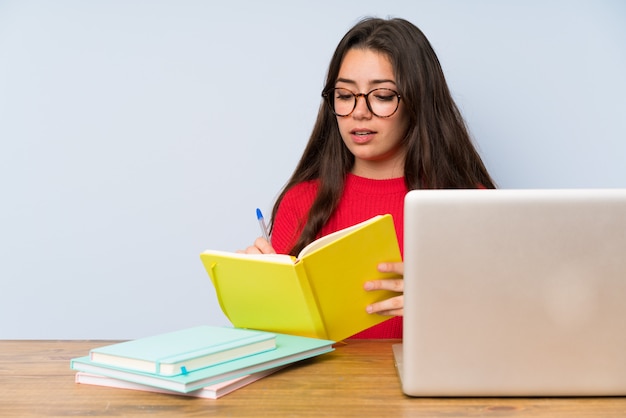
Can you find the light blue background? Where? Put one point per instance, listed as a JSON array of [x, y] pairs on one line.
[[135, 134]]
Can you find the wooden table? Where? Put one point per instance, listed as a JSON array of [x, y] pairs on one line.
[[356, 380]]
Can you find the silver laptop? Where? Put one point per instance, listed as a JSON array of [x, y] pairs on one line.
[[514, 293]]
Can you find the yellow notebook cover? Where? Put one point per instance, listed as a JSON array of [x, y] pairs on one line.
[[318, 294]]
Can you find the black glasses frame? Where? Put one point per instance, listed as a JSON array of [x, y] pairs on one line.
[[330, 101]]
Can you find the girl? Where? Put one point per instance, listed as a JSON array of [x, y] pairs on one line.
[[388, 125]]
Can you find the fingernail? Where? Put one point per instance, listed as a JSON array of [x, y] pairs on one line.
[[382, 267]]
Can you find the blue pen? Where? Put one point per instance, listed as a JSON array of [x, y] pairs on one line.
[[262, 224]]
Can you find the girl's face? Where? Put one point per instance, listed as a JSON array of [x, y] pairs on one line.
[[375, 142]]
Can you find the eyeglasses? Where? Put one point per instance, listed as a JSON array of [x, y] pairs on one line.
[[383, 102]]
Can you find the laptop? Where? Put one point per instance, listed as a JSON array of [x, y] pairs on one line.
[[514, 293]]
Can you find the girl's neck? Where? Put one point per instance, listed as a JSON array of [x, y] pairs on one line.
[[378, 170]]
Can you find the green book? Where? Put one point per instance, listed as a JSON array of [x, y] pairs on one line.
[[184, 351], [289, 349]]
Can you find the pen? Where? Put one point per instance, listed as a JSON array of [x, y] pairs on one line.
[[262, 224]]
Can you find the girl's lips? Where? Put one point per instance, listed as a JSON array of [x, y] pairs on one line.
[[362, 136]]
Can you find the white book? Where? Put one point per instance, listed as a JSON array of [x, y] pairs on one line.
[[209, 392]]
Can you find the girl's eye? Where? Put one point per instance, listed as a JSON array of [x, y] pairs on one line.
[[384, 97], [343, 96]]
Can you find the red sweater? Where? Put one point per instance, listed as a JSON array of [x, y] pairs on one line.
[[362, 198]]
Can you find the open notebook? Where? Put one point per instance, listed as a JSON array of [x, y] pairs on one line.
[[514, 293]]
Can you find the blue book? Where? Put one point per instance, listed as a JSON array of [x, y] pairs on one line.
[[184, 351], [289, 349]]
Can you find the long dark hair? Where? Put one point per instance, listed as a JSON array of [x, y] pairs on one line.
[[440, 153]]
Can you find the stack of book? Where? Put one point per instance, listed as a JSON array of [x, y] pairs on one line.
[[203, 361]]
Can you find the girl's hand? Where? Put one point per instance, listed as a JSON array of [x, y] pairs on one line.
[[394, 305], [260, 246]]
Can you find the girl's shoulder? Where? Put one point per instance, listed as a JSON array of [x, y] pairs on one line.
[[303, 190], [298, 199]]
